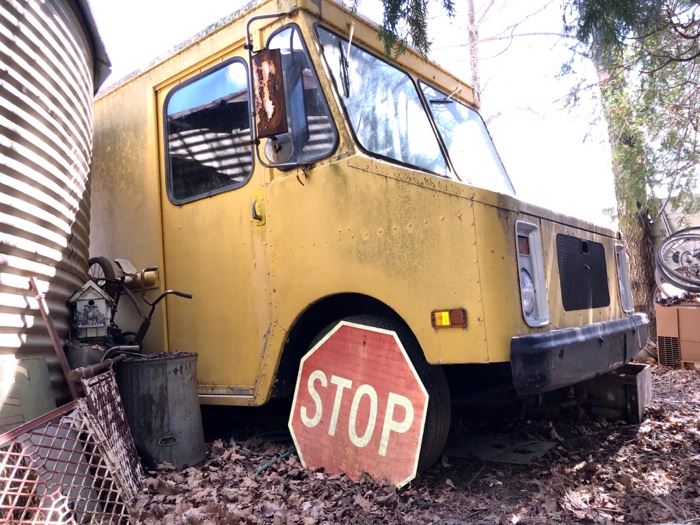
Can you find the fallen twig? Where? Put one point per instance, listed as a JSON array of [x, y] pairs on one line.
[[651, 496], [262, 468], [476, 475]]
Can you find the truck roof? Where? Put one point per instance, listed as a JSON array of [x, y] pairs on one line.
[[330, 13]]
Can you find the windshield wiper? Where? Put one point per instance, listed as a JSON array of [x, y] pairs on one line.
[[345, 62], [344, 70], [447, 99]]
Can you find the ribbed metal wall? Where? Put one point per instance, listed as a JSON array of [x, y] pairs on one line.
[[46, 89]]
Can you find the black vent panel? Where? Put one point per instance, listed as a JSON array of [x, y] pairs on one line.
[[669, 349], [583, 274]]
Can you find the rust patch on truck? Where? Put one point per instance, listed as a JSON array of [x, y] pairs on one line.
[[270, 108]]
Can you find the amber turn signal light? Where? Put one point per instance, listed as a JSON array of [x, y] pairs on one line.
[[452, 318]]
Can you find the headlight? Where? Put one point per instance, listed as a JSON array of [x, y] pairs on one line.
[[623, 278], [530, 265], [527, 292]]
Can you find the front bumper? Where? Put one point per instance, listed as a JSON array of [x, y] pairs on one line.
[[546, 361]]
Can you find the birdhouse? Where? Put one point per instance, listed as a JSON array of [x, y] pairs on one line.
[[92, 312]]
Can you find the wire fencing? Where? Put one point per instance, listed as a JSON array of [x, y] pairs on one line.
[[74, 465]]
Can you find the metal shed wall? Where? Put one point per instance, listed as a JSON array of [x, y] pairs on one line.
[[47, 68]]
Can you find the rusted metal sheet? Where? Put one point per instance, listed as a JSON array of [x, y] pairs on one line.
[[268, 82], [50, 55]]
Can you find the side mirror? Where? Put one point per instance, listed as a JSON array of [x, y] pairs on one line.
[[269, 104]]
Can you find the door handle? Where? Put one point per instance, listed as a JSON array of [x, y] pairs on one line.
[[254, 212]]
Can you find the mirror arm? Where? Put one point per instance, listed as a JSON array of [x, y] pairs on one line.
[[252, 19]]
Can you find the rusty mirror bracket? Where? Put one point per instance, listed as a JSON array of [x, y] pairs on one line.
[[267, 99]]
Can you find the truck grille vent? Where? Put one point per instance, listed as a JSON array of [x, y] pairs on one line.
[[669, 351], [583, 274]]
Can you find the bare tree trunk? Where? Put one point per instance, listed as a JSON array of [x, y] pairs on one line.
[[629, 180], [473, 41]]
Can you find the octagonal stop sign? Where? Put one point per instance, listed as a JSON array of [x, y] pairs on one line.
[[359, 405]]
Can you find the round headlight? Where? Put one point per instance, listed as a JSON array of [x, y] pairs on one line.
[[527, 292]]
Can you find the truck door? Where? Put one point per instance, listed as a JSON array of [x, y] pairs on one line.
[[213, 247]]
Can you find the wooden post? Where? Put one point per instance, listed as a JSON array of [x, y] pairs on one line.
[[55, 340]]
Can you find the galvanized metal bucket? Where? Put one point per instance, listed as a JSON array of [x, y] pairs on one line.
[[159, 393]]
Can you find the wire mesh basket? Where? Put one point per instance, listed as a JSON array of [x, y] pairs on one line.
[[74, 465]]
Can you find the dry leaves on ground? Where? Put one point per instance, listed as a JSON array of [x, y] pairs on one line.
[[599, 472]]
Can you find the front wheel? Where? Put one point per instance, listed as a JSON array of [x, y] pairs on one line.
[[437, 422]]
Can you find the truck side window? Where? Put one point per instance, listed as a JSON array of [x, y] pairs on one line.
[[383, 106], [311, 128], [207, 133]]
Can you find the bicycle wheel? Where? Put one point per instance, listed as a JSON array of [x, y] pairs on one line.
[[678, 259], [102, 273]]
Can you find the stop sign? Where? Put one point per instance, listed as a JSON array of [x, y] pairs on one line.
[[359, 405]]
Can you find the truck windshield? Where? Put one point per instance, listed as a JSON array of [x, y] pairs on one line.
[[383, 106], [468, 142]]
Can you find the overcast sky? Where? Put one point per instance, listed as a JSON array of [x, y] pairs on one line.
[[557, 157]]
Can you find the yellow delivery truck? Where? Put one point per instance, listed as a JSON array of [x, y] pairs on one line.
[[289, 174]]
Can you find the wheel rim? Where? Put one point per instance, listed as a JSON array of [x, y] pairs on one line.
[[679, 259], [97, 274]]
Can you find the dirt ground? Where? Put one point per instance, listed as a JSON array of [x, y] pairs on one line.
[[597, 471]]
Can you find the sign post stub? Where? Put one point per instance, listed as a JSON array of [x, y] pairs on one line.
[[359, 405]]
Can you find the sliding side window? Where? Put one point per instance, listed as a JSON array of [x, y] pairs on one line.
[[207, 134]]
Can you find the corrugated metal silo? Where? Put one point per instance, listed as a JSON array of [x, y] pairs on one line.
[[51, 63]]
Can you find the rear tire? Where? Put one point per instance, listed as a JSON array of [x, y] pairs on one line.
[[437, 422]]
